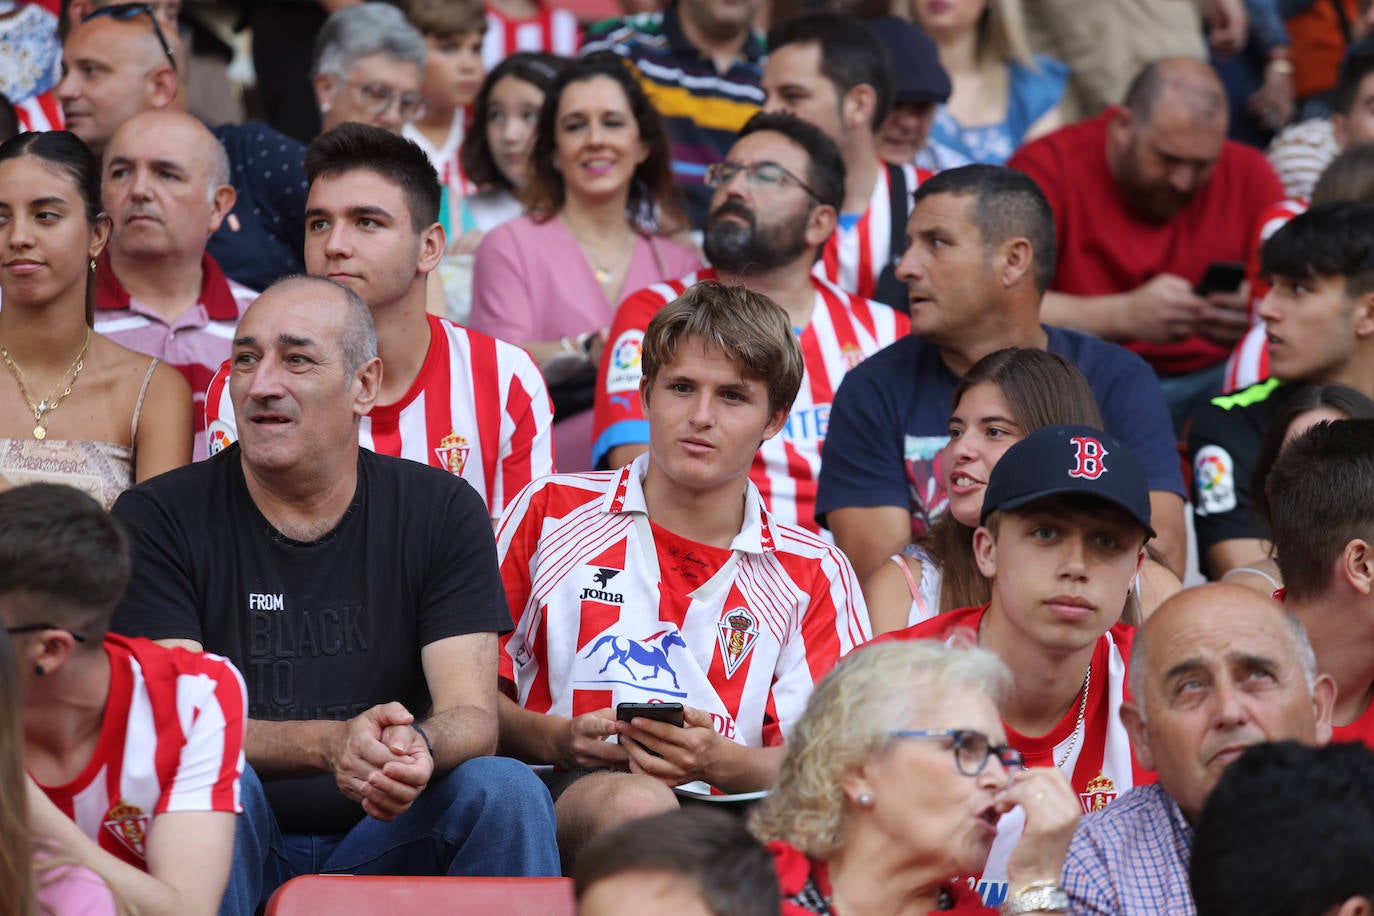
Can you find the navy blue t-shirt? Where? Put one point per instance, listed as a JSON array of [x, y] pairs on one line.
[[890, 420], [267, 169]]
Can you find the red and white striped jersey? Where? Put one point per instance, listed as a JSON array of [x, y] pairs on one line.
[[844, 329], [601, 617], [40, 112], [479, 409], [854, 256], [1248, 363], [1096, 756], [171, 740], [553, 30]]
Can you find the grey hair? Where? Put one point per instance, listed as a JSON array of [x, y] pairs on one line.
[[355, 32], [220, 171], [1296, 638], [870, 692], [358, 340]]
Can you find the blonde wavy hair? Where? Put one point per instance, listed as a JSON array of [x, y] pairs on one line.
[[874, 690]]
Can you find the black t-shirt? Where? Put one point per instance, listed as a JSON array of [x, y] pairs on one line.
[[1223, 443], [320, 630]]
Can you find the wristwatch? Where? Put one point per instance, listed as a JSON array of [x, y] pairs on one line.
[[1037, 897]]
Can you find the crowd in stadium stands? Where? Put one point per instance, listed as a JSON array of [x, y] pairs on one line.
[[724, 457]]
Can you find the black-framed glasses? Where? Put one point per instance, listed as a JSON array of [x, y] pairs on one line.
[[39, 627], [971, 749], [129, 11], [764, 175], [378, 97]]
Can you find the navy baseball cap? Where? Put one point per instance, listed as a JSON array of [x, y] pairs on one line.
[[1069, 460], [916, 72]]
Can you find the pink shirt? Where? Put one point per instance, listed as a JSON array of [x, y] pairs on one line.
[[72, 890], [530, 281]]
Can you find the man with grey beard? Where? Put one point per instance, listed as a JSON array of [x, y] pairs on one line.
[[777, 198]]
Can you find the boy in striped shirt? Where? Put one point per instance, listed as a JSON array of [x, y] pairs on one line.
[[667, 581], [134, 750]]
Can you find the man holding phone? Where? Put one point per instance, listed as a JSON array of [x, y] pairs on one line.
[[1145, 197], [666, 581]]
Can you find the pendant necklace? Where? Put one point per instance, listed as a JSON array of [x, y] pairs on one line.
[[54, 398]]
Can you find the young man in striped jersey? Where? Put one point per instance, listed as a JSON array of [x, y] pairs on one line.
[[776, 198], [134, 750], [1065, 518], [667, 581], [450, 397]]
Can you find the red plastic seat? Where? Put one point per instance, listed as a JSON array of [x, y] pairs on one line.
[[318, 895]]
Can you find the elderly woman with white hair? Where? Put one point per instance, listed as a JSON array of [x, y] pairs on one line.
[[893, 783], [369, 65]]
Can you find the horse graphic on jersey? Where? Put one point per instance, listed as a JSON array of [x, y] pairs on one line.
[[626, 650]]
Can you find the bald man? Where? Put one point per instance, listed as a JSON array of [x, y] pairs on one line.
[[1214, 670], [115, 68], [1146, 197], [111, 70], [166, 187]]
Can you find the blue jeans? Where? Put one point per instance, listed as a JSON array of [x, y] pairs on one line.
[[489, 816]]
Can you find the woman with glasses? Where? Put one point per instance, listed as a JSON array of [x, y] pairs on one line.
[[369, 66], [894, 781], [75, 408], [601, 202]]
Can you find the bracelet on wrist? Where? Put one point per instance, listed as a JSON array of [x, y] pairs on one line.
[[1037, 897]]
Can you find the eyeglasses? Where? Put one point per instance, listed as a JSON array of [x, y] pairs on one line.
[[130, 10], [38, 627], [378, 97], [764, 175], [971, 749]]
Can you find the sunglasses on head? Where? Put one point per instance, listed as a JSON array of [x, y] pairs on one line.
[[123, 11]]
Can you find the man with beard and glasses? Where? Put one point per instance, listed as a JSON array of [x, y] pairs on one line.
[[777, 196], [1145, 198]]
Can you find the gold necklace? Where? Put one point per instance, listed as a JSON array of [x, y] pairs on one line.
[[603, 274], [1078, 727], [48, 404]]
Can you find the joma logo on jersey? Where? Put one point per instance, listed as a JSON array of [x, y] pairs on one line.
[[259, 602], [603, 578]]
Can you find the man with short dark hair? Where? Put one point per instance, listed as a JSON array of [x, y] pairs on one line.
[[829, 69], [1321, 508], [450, 397], [1302, 151], [359, 594], [692, 861], [1282, 804], [699, 62], [1319, 322], [1145, 198], [776, 198], [981, 254], [1214, 670], [133, 750]]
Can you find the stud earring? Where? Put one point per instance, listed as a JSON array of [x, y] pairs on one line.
[[324, 108], [865, 800], [39, 670]]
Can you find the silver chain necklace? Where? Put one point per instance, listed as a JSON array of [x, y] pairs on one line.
[[1078, 727]]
